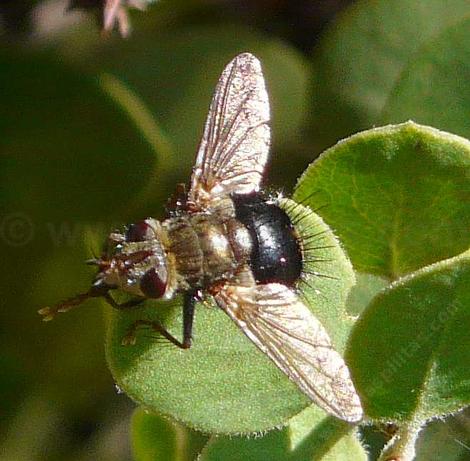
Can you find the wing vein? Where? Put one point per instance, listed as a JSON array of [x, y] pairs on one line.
[[235, 142]]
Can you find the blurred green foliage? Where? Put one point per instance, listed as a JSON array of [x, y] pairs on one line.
[[75, 161]]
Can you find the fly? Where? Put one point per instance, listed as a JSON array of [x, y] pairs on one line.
[[225, 239]]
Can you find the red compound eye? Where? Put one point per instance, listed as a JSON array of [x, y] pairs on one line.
[[152, 284], [139, 232]]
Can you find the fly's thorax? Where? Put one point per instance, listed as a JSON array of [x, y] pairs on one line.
[[136, 261], [206, 247]]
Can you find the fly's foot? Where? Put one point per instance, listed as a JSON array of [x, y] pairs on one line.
[[47, 313], [129, 340], [130, 337]]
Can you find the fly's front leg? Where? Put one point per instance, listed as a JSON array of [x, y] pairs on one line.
[[188, 316], [132, 304]]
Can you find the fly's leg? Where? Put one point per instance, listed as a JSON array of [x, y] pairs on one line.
[[188, 316], [131, 336], [48, 313], [189, 303], [96, 291], [132, 304]]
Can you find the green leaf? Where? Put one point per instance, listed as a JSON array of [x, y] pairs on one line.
[[363, 55], [310, 436], [155, 438], [447, 440], [366, 287], [409, 351], [398, 197], [433, 86], [224, 384]]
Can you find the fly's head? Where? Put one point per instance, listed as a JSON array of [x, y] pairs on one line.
[[134, 261]]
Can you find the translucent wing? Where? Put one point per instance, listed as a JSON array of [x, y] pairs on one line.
[[275, 319], [235, 145]]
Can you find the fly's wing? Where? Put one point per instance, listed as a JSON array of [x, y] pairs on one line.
[[234, 148], [275, 319]]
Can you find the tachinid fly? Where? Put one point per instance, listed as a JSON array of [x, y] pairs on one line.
[[223, 238]]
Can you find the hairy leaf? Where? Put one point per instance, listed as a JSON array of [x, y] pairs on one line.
[[398, 197]]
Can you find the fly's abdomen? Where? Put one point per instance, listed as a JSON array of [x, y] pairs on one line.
[[276, 256]]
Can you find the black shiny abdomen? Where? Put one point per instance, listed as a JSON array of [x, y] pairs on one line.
[[276, 255]]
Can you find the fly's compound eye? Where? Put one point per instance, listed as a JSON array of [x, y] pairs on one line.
[[139, 232], [153, 283]]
